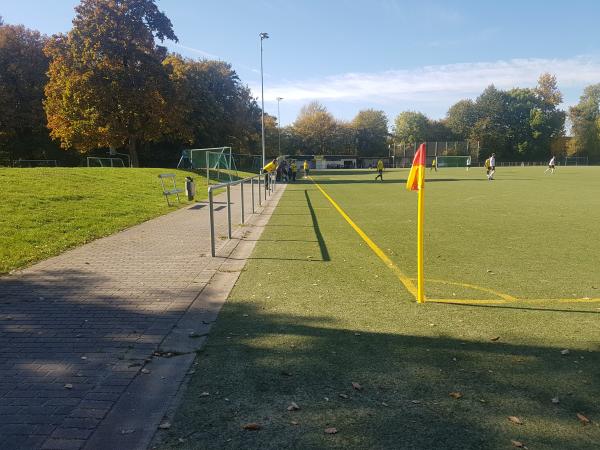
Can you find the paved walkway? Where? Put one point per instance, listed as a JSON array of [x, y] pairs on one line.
[[81, 330]]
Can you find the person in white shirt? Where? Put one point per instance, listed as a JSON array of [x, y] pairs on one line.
[[551, 165], [492, 166]]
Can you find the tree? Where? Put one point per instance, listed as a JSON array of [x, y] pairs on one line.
[[411, 126], [23, 67], [371, 129], [108, 86], [585, 120], [214, 107], [314, 126], [461, 119]]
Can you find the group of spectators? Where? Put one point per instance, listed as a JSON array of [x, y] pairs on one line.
[[285, 171]]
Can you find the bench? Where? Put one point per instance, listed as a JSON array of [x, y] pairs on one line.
[[166, 191]]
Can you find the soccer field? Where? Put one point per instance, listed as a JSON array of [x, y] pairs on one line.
[[513, 357]]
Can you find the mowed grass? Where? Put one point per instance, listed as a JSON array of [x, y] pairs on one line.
[[316, 310], [45, 211]]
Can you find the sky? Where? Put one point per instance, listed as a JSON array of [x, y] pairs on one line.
[[390, 55]]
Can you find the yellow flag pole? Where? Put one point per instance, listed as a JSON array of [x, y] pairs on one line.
[[420, 220]]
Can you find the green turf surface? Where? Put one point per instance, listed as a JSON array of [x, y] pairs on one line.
[[45, 211], [315, 310]]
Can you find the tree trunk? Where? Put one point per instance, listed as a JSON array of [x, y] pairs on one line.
[[132, 146]]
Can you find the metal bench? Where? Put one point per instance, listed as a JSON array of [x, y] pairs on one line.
[[166, 191]]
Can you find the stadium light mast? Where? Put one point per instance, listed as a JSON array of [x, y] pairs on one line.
[[262, 36], [279, 124]]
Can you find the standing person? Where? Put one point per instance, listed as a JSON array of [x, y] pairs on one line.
[[306, 168], [487, 168], [379, 170], [492, 166], [468, 163], [551, 165], [267, 170], [294, 169], [433, 165]]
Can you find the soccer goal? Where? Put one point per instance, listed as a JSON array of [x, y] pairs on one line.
[[576, 160], [93, 161], [453, 161], [218, 162], [35, 163]]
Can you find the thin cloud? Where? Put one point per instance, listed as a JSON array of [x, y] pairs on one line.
[[434, 83]]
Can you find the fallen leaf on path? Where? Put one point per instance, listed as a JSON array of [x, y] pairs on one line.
[[356, 386], [165, 425], [331, 430], [495, 338], [293, 407], [515, 420], [252, 426], [517, 444], [584, 420], [146, 371], [68, 386], [456, 395]]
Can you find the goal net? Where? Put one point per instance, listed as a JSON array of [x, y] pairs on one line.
[[93, 161], [217, 162], [576, 160], [35, 163], [453, 161]]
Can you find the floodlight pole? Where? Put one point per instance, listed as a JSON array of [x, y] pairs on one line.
[[279, 124], [263, 36]]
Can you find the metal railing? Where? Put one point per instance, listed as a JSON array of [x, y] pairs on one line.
[[265, 192]]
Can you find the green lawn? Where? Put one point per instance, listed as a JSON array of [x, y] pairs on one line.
[[45, 211], [316, 310]]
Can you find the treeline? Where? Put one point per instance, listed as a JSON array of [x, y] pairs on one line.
[[107, 84]]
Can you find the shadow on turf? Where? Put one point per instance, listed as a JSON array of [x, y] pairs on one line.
[[256, 363]]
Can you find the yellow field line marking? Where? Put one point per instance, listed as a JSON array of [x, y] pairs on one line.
[[508, 298], [466, 301], [408, 284]]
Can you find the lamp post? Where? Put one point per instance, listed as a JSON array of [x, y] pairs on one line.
[[263, 36], [279, 124]]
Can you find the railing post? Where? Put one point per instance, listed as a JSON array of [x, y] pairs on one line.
[[259, 193], [211, 218], [229, 211], [252, 188], [242, 199]]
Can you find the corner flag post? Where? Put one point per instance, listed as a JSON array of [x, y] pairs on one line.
[[416, 182]]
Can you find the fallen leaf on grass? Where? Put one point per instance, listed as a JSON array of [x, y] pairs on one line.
[[565, 352], [384, 404], [165, 425], [584, 420], [515, 420], [343, 396], [293, 407], [456, 395], [495, 338], [286, 374], [356, 386], [252, 426], [517, 444], [331, 430], [555, 400], [415, 401], [293, 422], [204, 394]]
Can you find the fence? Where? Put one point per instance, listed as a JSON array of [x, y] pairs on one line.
[[267, 191]]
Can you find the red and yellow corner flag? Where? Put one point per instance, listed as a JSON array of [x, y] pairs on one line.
[[416, 177], [416, 182]]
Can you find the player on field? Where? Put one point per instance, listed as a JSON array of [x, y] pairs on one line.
[[294, 169], [306, 168], [267, 170], [551, 165], [492, 170], [433, 165], [379, 170], [487, 168]]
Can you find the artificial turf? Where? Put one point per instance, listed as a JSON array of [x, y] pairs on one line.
[[316, 310], [45, 211]]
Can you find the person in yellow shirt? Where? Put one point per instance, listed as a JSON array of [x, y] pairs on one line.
[[433, 164], [306, 168], [267, 170], [294, 169], [379, 170]]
